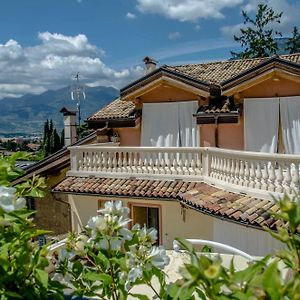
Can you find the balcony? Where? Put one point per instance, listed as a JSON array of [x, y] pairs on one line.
[[257, 174]]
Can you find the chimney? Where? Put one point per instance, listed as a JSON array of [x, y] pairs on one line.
[[70, 131], [150, 64]]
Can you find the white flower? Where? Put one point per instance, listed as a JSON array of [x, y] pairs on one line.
[[8, 201], [134, 274], [158, 257], [114, 208]]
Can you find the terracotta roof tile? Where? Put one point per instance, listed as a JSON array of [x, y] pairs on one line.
[[218, 72], [117, 109], [200, 196]]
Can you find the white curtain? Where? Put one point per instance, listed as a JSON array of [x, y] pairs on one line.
[[188, 129], [170, 124], [261, 119], [290, 122]]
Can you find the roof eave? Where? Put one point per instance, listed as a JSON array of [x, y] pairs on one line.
[[164, 72], [270, 65]]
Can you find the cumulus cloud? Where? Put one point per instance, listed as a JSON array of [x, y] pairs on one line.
[[187, 10], [52, 63], [130, 15], [174, 35]]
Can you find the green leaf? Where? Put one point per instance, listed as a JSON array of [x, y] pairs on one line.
[[42, 277], [94, 276], [185, 244], [77, 268], [139, 296]]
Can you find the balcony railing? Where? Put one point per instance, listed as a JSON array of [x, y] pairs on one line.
[[234, 170]]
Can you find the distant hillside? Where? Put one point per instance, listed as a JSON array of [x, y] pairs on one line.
[[28, 113]]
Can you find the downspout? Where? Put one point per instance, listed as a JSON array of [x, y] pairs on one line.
[[216, 117]]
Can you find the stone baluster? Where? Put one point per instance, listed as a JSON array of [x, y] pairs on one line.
[[231, 170], [114, 162], [192, 166], [247, 174], [265, 176], [287, 178], [237, 171], [279, 178], [258, 175], [296, 179], [198, 162], [169, 163], [124, 163], [272, 176], [252, 174], [241, 179]]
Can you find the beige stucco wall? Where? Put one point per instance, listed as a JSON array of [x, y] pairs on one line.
[[130, 136], [196, 225], [230, 136]]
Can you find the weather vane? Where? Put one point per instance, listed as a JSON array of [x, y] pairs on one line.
[[78, 94]]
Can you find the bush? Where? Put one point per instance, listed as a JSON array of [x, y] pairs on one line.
[[22, 263]]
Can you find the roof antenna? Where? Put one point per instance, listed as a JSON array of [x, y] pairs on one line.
[[78, 94]]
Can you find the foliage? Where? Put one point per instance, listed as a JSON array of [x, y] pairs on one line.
[[262, 279], [22, 263], [257, 38], [293, 43], [51, 140], [110, 259]]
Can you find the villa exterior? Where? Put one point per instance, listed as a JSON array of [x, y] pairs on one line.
[[196, 151]]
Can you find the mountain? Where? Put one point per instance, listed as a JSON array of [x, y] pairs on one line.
[[27, 114]]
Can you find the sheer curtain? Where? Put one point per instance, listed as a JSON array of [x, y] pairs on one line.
[[261, 119], [290, 122], [170, 124], [188, 129]]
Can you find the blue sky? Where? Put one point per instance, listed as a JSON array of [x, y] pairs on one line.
[[43, 43]]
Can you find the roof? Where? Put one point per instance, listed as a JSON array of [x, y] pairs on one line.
[[214, 75], [124, 187], [200, 196], [221, 71], [117, 109]]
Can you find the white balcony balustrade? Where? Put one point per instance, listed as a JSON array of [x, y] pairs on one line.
[[239, 171]]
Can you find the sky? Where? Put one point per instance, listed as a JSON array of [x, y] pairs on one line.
[[45, 43]]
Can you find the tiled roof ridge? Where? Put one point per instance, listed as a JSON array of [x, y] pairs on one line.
[[282, 56]]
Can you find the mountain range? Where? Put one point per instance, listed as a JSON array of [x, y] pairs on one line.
[[27, 114]]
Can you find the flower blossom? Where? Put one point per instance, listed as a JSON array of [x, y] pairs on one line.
[[8, 200]]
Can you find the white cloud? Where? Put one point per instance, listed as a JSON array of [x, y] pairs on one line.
[[197, 27], [290, 11], [232, 30], [187, 10], [53, 62], [174, 35], [130, 15], [289, 18]]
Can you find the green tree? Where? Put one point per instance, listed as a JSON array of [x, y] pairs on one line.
[[293, 43], [258, 38]]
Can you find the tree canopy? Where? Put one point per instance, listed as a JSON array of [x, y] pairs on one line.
[[293, 43], [258, 38]]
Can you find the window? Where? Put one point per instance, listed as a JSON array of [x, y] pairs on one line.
[[148, 216]]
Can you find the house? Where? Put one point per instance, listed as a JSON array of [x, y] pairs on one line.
[[196, 151]]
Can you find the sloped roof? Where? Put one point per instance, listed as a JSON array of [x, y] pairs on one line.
[[117, 109], [211, 74], [220, 71], [200, 196]]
